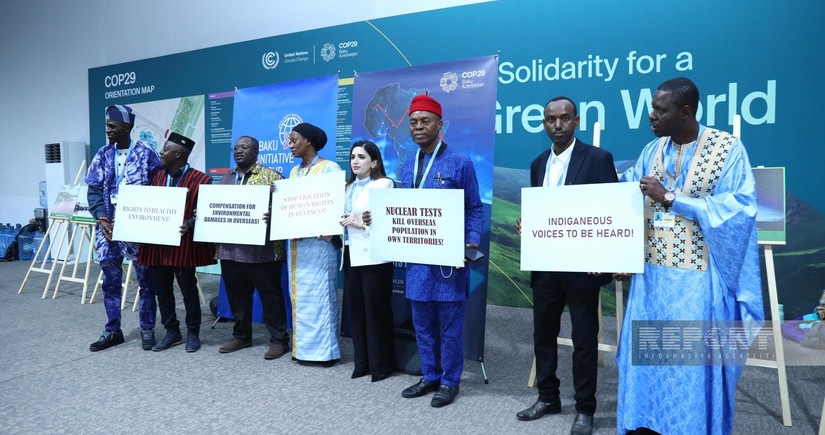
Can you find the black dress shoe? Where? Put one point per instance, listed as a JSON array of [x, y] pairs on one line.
[[107, 340], [172, 338], [147, 339], [444, 396], [539, 409], [421, 388], [193, 342], [380, 377], [582, 425]]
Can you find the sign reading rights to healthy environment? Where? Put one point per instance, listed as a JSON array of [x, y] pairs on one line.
[[583, 228], [424, 226], [149, 214], [308, 206], [232, 214]]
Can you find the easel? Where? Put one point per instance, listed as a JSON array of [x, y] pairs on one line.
[[779, 363], [56, 224], [87, 231], [773, 301], [603, 347], [59, 225]]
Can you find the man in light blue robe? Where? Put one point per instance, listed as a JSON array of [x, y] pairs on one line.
[[701, 264]]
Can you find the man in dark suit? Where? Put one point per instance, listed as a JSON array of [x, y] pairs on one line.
[[568, 161]]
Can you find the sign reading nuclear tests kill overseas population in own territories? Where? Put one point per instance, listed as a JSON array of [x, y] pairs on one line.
[[308, 206], [424, 226], [232, 214], [149, 214], [583, 228]]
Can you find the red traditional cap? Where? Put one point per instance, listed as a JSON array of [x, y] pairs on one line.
[[425, 102]]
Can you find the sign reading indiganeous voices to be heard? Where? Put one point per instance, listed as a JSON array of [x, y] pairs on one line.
[[149, 214], [583, 228], [231, 214], [424, 226]]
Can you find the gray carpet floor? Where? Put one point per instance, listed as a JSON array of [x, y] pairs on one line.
[[51, 383]]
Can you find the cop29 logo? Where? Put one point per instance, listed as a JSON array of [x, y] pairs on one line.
[[270, 59], [449, 81], [328, 52]]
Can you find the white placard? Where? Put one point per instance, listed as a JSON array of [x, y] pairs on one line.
[[583, 228], [227, 213], [424, 226], [149, 214], [308, 206]]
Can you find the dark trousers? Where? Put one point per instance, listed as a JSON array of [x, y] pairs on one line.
[[367, 295], [241, 280], [162, 277], [551, 291]]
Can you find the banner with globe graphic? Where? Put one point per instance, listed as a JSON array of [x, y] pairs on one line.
[[466, 90], [269, 112]]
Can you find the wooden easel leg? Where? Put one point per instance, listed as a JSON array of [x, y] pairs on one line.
[[777, 336], [63, 225], [65, 262]]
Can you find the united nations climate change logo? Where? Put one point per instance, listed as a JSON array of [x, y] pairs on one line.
[[328, 52], [285, 127], [270, 59], [449, 82]]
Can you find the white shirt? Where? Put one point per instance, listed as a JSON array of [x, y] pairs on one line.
[[556, 170]]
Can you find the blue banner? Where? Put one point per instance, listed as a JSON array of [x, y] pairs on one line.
[[466, 90], [269, 112]]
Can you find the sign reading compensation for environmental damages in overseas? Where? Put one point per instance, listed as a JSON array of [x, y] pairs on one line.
[[149, 214], [308, 206], [232, 214], [583, 228], [424, 226]]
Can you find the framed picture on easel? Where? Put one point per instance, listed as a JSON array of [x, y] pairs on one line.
[[770, 198]]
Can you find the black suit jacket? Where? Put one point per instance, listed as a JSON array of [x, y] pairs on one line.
[[588, 165]]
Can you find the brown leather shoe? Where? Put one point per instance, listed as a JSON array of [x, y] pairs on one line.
[[233, 345], [276, 350]]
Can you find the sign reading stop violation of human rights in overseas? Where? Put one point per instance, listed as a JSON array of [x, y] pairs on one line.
[[231, 214], [149, 214], [424, 226], [582, 228], [308, 206]]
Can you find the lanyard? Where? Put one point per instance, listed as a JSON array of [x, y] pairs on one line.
[[239, 179], [314, 159], [169, 176], [426, 170], [119, 176]]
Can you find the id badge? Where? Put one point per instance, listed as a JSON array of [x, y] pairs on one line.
[[113, 199], [664, 220]]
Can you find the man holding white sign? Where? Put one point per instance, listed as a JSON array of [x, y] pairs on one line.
[[569, 161], [178, 262], [248, 267], [439, 293], [121, 162]]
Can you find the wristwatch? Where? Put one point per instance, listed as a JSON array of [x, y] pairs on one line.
[[669, 198]]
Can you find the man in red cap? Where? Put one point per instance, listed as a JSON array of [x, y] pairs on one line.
[[439, 293]]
